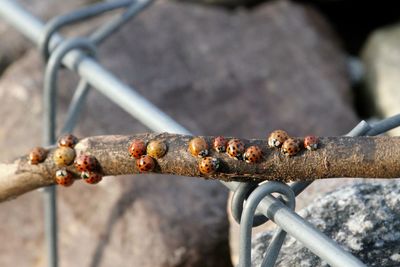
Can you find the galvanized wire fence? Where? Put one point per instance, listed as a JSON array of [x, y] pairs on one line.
[[78, 55]]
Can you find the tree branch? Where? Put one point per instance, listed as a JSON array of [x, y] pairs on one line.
[[365, 157]]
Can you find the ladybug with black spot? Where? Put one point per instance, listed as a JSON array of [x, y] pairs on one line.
[[91, 177], [86, 163], [235, 148], [64, 177], [137, 148], [220, 144], [209, 165], [311, 142], [37, 155], [253, 154], [67, 140], [291, 147], [145, 163], [277, 138]]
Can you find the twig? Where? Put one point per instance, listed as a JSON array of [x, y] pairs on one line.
[[365, 157]]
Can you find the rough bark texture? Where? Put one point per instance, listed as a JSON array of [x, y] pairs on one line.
[[368, 157]]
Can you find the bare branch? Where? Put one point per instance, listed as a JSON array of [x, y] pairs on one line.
[[365, 157]]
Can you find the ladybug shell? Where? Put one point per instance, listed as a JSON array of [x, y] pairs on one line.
[[91, 177], [291, 147], [277, 138], [219, 144], [311, 142], [253, 154], [208, 165], [137, 148], [86, 163], [235, 148], [63, 156], [37, 155], [156, 149], [64, 177], [198, 147], [145, 163], [67, 140]]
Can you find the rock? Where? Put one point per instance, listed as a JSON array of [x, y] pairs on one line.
[[13, 44], [381, 57], [276, 67], [345, 216]]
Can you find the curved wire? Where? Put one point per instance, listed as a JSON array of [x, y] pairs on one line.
[[50, 83], [76, 16], [246, 222]]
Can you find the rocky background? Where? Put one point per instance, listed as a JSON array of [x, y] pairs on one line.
[[230, 67]]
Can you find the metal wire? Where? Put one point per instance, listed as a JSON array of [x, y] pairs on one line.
[[136, 105]]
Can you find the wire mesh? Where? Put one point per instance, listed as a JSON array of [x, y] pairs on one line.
[[248, 198]]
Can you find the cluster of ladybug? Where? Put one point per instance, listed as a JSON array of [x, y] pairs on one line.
[[291, 146], [146, 155], [235, 148], [65, 156]]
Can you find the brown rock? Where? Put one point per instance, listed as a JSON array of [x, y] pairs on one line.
[[240, 74]]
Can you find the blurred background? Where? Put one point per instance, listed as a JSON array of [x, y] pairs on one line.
[[219, 67]]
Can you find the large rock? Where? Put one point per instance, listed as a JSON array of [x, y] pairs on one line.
[[13, 44], [232, 73], [364, 218], [381, 56]]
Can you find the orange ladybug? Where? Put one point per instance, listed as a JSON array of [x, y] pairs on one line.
[[137, 148], [235, 148], [37, 155], [67, 140], [311, 142], [63, 156], [86, 163], [253, 154], [291, 147], [220, 144], [64, 177], [91, 177], [198, 147], [156, 149], [145, 163], [208, 165], [277, 138]]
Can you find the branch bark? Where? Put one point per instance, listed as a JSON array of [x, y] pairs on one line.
[[364, 157]]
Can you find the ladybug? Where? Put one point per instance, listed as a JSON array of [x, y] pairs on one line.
[[156, 149], [86, 163], [63, 156], [91, 177], [145, 163], [137, 148], [37, 155], [67, 140], [208, 165], [220, 144], [64, 177], [277, 138], [291, 147], [253, 154], [235, 148], [198, 147], [311, 142]]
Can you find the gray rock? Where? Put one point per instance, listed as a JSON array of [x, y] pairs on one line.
[[381, 58], [363, 218], [232, 73]]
